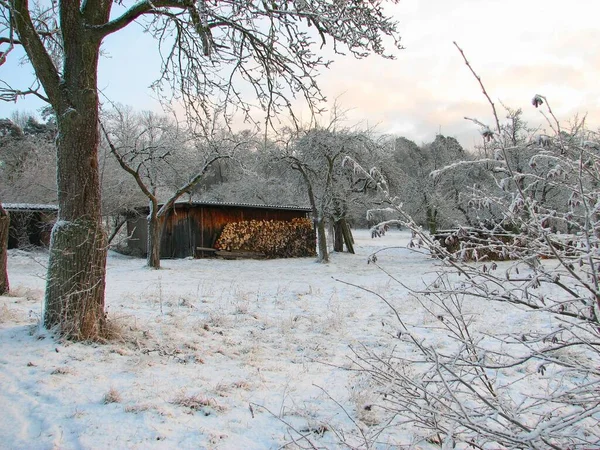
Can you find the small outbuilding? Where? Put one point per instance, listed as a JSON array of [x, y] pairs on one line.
[[191, 229], [30, 224]]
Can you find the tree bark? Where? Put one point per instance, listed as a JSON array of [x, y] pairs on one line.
[[74, 302], [322, 239], [338, 236], [4, 228], [154, 237], [432, 219], [347, 234], [76, 268]]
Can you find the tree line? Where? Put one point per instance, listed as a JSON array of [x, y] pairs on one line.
[[151, 159], [148, 158]]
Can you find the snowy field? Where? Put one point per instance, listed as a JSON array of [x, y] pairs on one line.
[[211, 353]]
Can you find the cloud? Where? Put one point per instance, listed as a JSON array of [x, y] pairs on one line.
[[519, 48]]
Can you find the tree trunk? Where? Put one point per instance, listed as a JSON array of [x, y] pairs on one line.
[[338, 236], [74, 302], [317, 218], [347, 234], [119, 221], [76, 268], [322, 239], [432, 219], [4, 228], [154, 239]]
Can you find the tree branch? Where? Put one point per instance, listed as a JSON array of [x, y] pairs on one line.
[[134, 13], [189, 185], [8, 40], [134, 173], [41, 60], [8, 94], [482, 87]]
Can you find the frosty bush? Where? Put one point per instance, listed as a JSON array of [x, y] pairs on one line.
[[529, 385]]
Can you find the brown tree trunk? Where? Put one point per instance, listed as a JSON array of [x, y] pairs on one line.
[[322, 240], [347, 234], [74, 303], [154, 238], [338, 236], [4, 228], [76, 268]]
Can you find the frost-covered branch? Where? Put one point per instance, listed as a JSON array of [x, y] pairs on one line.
[[532, 254]]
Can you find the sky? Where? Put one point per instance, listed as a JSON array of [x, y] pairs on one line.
[[518, 47]]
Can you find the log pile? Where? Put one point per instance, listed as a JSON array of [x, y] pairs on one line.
[[468, 244], [273, 238]]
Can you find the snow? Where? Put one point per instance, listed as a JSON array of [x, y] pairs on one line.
[[213, 353], [29, 207]]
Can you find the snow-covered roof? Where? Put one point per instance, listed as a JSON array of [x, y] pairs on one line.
[[29, 207], [250, 205], [242, 205]]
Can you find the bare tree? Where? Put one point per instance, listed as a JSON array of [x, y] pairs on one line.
[[317, 178], [146, 146], [210, 50], [27, 162], [317, 155], [258, 175], [432, 201], [120, 195]]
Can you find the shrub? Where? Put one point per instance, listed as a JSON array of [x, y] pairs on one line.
[[536, 385]]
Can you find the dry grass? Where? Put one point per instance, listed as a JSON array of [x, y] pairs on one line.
[[197, 402], [112, 396], [61, 371], [363, 396], [137, 408], [225, 389], [8, 314], [125, 331], [29, 294]]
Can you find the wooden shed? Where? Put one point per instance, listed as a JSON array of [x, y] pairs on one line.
[[191, 226], [30, 224]]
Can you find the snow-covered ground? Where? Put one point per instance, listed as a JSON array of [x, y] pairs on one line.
[[210, 353]]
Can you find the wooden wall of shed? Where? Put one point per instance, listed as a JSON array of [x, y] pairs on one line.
[[189, 227]]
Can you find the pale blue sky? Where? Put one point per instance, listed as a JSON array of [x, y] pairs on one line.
[[518, 47]]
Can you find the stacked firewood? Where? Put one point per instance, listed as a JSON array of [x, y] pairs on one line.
[[273, 238]]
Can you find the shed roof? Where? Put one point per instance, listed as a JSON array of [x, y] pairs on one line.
[[242, 205], [26, 207]]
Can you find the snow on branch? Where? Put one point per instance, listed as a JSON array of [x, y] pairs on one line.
[[460, 164]]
